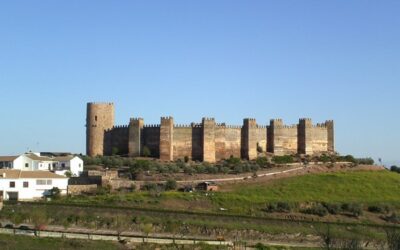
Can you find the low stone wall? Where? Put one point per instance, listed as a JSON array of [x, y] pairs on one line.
[[119, 183], [79, 189]]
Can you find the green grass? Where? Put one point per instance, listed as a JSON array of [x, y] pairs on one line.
[[365, 187], [8, 242], [360, 186]]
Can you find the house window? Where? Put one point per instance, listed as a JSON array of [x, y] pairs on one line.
[[27, 165], [49, 165], [95, 118], [12, 184], [26, 184], [49, 182], [40, 182], [63, 165]]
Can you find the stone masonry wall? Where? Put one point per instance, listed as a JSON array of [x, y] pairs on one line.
[[182, 143], [205, 141]]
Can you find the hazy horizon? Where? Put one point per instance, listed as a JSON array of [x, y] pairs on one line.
[[228, 60]]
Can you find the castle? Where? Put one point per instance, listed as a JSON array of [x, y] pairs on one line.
[[206, 141]]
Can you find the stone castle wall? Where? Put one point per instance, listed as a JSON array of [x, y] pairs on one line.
[[206, 141]]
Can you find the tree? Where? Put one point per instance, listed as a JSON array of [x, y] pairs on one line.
[[54, 193], [146, 151], [170, 185], [120, 225], [114, 151], [172, 227], [146, 228], [68, 174], [39, 219]]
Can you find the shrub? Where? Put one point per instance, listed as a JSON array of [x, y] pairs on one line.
[[365, 161], [186, 158], [114, 151], [188, 170], [54, 193], [378, 209], [233, 160], [170, 185], [262, 162], [332, 208], [149, 186], [394, 168], [354, 208], [317, 209], [146, 151], [283, 159], [393, 218], [282, 207]]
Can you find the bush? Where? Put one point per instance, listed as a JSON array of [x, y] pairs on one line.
[[146, 151], [365, 161], [332, 208], [285, 159], [353, 208], [317, 209], [394, 168], [170, 185], [233, 160], [262, 162], [54, 193], [281, 207], [149, 186], [186, 158], [378, 209]]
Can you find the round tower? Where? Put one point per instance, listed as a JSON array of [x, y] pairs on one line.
[[99, 118]]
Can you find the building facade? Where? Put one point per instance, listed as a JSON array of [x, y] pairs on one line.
[[206, 141], [35, 161], [29, 185]]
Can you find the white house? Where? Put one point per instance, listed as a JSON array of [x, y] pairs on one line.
[[70, 163], [34, 161], [29, 185]]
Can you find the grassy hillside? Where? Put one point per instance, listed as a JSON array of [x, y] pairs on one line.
[[367, 187]]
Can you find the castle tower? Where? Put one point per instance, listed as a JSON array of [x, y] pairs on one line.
[[99, 117], [331, 135], [273, 137], [135, 137], [249, 140], [305, 139], [208, 139], [166, 138]]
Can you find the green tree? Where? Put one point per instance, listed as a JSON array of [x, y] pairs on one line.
[[39, 219], [54, 193], [146, 228], [170, 185], [146, 151]]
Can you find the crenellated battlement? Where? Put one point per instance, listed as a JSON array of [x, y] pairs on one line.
[[163, 118], [135, 119], [100, 103], [151, 125], [182, 126], [204, 141], [208, 119]]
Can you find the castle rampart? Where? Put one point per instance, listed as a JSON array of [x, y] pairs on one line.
[[206, 141]]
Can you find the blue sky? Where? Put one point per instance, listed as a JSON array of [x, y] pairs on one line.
[[225, 59]]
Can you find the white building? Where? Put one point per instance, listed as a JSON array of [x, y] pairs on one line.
[[29, 185], [34, 161], [72, 164]]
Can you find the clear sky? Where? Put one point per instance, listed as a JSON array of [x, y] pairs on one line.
[[225, 59]]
